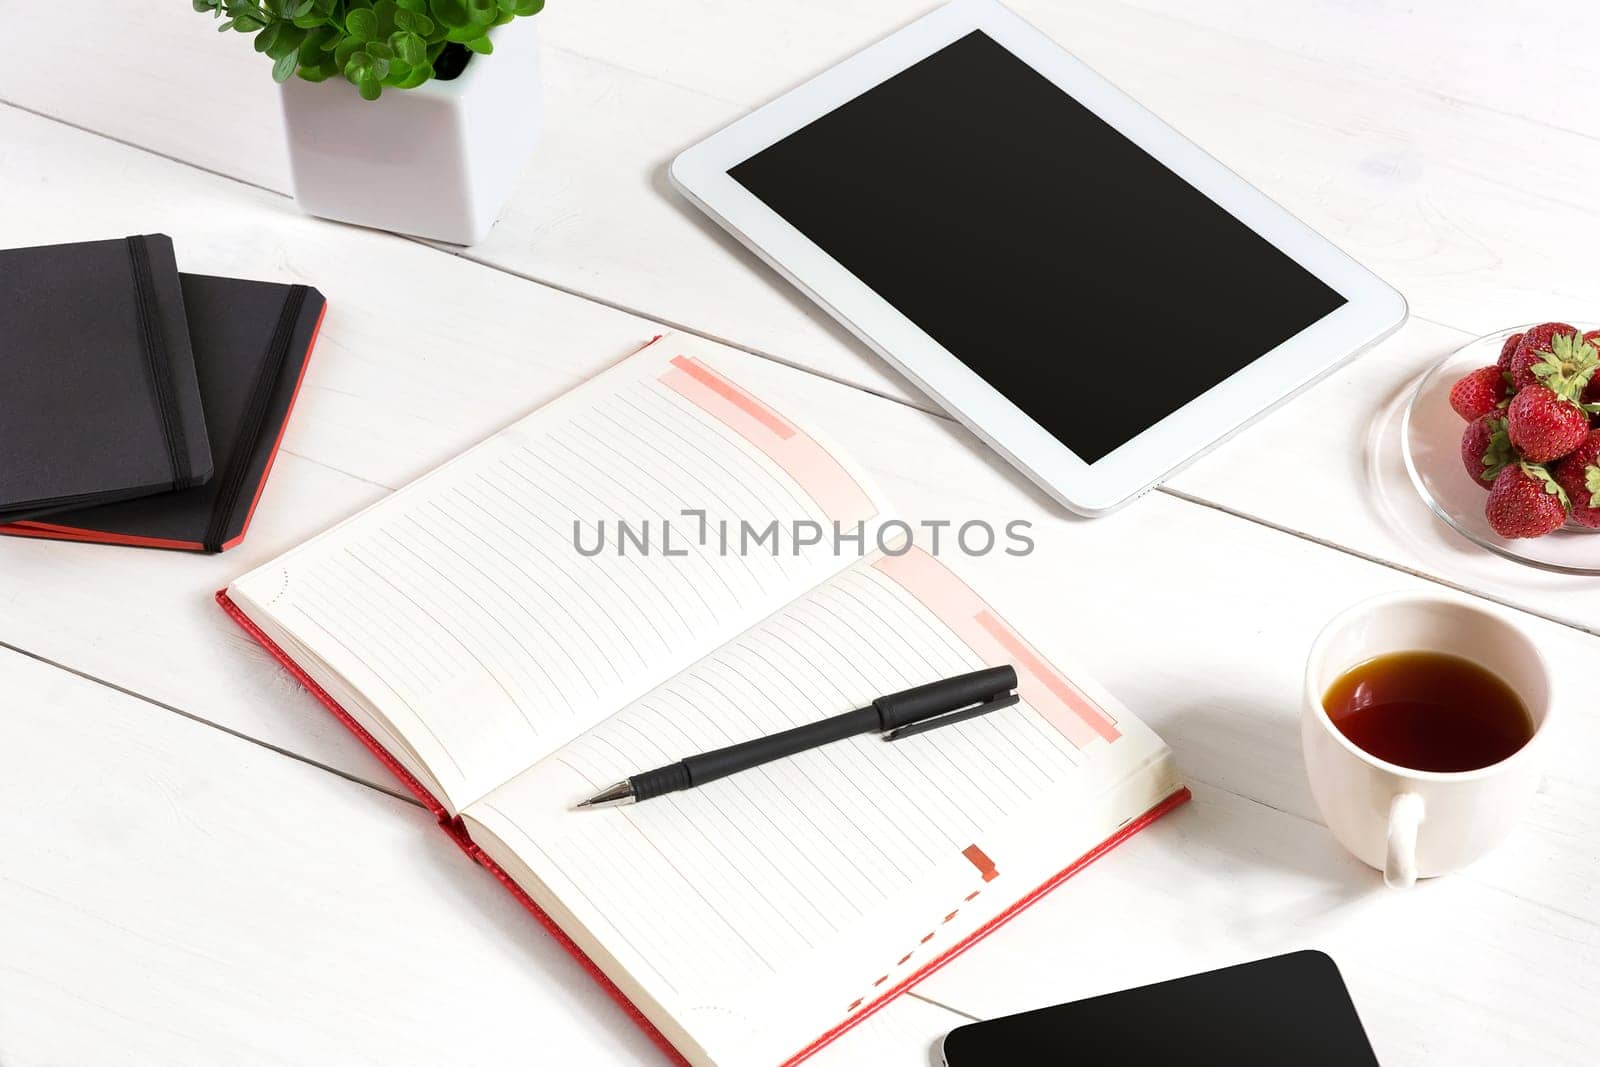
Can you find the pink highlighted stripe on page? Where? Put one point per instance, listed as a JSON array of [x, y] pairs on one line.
[[839, 496], [1061, 703]]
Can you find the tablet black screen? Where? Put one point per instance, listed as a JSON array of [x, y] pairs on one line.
[[1089, 284]]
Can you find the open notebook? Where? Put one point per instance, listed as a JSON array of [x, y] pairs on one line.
[[507, 675]]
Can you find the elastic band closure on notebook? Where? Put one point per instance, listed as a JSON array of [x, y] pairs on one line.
[[232, 483], [154, 342]]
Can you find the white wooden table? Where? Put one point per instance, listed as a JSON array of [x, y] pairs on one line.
[[198, 866]]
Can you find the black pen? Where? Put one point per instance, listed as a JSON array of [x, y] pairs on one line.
[[897, 715]]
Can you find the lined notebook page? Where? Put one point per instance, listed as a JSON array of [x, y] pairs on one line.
[[832, 875], [463, 612]]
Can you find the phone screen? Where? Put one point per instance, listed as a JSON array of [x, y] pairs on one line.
[[1291, 1009]]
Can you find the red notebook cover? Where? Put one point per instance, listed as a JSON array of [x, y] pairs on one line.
[[454, 827]]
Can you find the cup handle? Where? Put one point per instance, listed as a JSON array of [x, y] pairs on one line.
[[1406, 813]]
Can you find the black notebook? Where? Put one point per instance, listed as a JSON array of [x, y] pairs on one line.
[[98, 395], [251, 344]]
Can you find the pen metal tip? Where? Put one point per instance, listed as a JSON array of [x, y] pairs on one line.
[[614, 794]]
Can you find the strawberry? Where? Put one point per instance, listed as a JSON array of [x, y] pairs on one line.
[[1544, 426], [1525, 502], [1591, 395], [1564, 361], [1486, 449], [1508, 350], [1537, 338], [1579, 476], [1478, 393]]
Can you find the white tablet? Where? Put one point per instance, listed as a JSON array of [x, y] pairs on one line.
[[1091, 294]]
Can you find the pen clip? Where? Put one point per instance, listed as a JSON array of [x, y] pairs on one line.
[[1004, 700]]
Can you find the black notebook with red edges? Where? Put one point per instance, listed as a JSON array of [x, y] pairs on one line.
[[252, 341], [99, 400]]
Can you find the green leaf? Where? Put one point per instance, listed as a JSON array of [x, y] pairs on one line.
[[285, 66], [451, 13], [1591, 482], [361, 23], [367, 65], [347, 47], [410, 48], [326, 66], [417, 76], [385, 10], [288, 42], [373, 43], [413, 22], [1499, 454], [362, 65], [1551, 486], [1569, 365], [310, 51]]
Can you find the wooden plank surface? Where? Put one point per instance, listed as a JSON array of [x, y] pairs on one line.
[[228, 875], [174, 896], [422, 354], [384, 402], [1456, 971], [1426, 181], [182, 897], [1443, 145], [1407, 137]]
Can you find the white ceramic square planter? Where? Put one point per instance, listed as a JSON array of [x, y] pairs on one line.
[[436, 161]]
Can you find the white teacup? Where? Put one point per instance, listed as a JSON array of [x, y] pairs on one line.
[[1408, 823]]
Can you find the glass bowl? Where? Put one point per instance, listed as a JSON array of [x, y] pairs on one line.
[[1430, 436]]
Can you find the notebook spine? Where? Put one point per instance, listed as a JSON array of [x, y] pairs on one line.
[[230, 488], [456, 829], [153, 341]]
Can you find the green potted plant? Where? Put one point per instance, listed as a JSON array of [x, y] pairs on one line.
[[405, 115]]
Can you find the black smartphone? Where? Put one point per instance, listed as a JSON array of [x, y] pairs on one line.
[[1291, 1009]]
